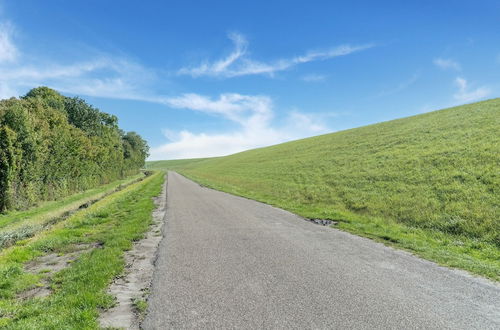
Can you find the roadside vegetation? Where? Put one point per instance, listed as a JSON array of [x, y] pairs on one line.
[[52, 146], [73, 198], [429, 183], [93, 240], [18, 225]]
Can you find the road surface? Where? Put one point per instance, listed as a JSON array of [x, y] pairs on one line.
[[226, 262]]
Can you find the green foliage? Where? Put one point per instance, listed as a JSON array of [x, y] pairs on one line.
[[135, 150], [431, 175], [48, 96], [87, 118], [8, 157], [54, 145]]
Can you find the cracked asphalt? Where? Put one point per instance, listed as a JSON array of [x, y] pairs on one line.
[[227, 262]]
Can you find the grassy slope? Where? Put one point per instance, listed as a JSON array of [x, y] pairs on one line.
[[79, 290], [428, 183]]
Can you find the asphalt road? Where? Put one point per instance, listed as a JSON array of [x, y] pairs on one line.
[[226, 262]]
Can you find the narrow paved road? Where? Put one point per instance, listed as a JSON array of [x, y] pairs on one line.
[[228, 262]]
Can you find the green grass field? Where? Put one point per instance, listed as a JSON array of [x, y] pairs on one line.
[[107, 228], [428, 183]]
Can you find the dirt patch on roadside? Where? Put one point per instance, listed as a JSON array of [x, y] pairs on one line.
[[50, 264], [323, 222], [131, 289]]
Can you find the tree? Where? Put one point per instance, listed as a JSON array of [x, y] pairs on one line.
[[135, 150], [8, 159], [52, 98]]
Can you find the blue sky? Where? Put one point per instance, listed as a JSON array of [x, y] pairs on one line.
[[209, 78]]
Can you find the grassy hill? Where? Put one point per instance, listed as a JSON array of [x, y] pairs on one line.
[[428, 183]]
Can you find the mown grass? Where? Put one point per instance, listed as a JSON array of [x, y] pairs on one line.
[[79, 291], [428, 183], [58, 207]]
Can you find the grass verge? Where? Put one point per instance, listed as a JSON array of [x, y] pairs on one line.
[[78, 291], [19, 225], [56, 208]]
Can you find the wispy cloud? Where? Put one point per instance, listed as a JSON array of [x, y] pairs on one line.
[[252, 113], [447, 64], [221, 66], [238, 63], [248, 111], [465, 94], [103, 75], [314, 78], [8, 51]]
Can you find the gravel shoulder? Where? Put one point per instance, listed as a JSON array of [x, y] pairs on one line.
[[229, 262]]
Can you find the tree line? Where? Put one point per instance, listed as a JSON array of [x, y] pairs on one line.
[[53, 145]]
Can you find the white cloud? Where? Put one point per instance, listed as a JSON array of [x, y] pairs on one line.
[[237, 62], [250, 111], [192, 145], [465, 95], [253, 114], [8, 52], [447, 64], [314, 78]]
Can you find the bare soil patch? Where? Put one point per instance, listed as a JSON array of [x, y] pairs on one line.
[[50, 264], [133, 287]]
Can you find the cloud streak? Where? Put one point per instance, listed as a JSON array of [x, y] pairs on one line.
[[252, 112], [8, 51], [103, 75], [466, 95], [314, 78], [447, 64], [238, 63]]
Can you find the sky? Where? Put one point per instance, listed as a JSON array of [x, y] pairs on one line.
[[211, 78]]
